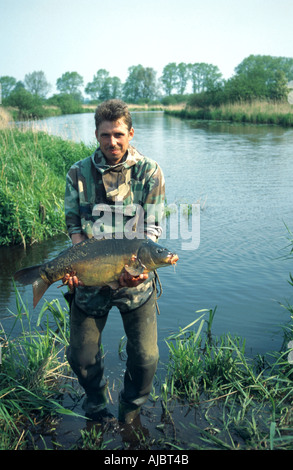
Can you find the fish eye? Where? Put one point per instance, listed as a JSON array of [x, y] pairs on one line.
[[160, 250]]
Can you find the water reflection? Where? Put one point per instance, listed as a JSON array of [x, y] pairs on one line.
[[76, 127]]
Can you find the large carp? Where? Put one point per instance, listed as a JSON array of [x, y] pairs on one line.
[[97, 262]]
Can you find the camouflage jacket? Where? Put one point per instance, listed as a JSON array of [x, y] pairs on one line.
[[101, 200]]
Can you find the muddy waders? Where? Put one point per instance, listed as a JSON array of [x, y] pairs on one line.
[[85, 357]]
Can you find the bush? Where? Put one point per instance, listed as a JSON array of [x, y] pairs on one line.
[[200, 100], [213, 97], [68, 103], [174, 99], [29, 106], [168, 100]]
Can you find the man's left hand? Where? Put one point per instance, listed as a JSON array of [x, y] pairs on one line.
[[127, 280]]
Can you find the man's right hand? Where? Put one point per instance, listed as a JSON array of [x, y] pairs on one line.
[[70, 279], [77, 238]]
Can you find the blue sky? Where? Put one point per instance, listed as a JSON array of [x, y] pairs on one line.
[[57, 36]]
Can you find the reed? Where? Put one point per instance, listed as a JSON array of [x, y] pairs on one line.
[[34, 374], [258, 106], [248, 400], [33, 166], [5, 118], [257, 112]]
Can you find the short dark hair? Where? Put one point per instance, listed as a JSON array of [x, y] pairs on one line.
[[112, 110]]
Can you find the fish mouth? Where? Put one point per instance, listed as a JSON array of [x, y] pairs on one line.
[[173, 258]]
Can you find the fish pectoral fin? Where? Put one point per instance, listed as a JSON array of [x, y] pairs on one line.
[[135, 268], [134, 271], [114, 285]]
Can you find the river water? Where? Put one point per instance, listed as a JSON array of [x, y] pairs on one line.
[[242, 177]]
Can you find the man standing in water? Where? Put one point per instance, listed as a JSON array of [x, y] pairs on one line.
[[118, 177]]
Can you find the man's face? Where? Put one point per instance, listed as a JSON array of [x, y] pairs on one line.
[[114, 138]]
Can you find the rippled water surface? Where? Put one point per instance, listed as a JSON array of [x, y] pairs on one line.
[[242, 177]]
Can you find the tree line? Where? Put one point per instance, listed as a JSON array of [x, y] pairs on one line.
[[199, 84]]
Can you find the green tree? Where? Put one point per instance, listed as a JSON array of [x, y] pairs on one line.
[[105, 91], [256, 63], [7, 85], [182, 77], [278, 88], [94, 88], [132, 85], [204, 76], [19, 85], [149, 88], [116, 87], [169, 78], [37, 84], [260, 76], [103, 86], [140, 84], [70, 82], [112, 88]]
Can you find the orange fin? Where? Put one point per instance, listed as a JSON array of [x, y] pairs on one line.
[[39, 288]]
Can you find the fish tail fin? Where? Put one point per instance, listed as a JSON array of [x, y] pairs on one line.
[[28, 275], [32, 276]]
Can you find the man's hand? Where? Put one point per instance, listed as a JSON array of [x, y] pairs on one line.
[[72, 281], [127, 280], [77, 238]]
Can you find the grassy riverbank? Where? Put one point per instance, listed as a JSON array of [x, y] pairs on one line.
[[257, 112], [46, 111], [33, 166], [213, 396]]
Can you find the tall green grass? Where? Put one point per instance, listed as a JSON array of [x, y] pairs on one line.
[[33, 373], [244, 402], [33, 166]]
